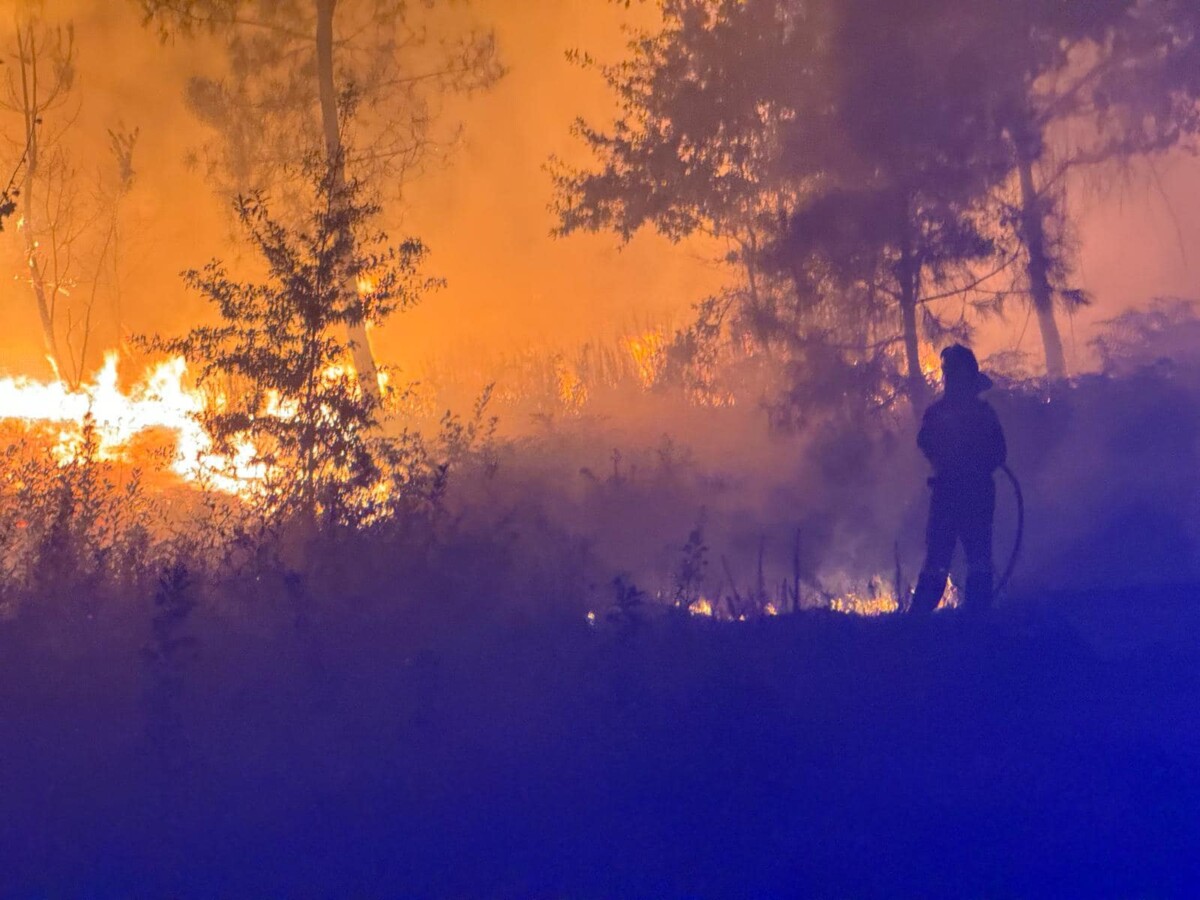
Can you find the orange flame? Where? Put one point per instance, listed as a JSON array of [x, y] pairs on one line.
[[160, 400]]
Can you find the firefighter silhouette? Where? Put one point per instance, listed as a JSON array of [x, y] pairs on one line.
[[962, 438]]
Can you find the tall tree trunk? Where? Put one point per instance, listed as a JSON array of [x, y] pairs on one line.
[[1033, 235], [30, 226], [356, 329], [909, 274], [38, 281]]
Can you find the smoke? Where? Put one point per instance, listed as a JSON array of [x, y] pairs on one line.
[[484, 213], [629, 473]]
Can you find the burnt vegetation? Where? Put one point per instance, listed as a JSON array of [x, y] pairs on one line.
[[370, 647]]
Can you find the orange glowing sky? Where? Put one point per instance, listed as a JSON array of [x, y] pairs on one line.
[[485, 216]]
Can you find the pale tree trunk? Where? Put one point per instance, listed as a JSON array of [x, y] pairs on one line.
[[31, 225], [356, 330], [1033, 235], [909, 274], [37, 279]]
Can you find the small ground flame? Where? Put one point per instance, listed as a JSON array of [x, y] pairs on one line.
[[647, 352]]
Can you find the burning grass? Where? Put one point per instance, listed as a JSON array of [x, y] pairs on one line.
[[105, 488]]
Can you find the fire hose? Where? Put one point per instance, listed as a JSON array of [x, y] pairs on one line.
[[1016, 551]]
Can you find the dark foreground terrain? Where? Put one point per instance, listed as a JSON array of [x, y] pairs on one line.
[[1054, 751]]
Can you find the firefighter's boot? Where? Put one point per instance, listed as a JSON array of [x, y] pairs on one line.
[[928, 593]]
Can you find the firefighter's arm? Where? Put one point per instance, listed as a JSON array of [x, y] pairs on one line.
[[926, 437]]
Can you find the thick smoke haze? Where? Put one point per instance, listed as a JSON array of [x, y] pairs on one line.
[[1140, 238], [654, 614], [484, 211]]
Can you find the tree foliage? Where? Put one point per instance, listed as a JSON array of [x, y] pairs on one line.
[[867, 159], [803, 133], [387, 57], [1073, 85], [286, 402]]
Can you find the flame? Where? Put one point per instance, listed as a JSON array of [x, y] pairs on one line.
[[879, 599], [160, 400], [864, 604], [876, 598], [931, 363], [647, 353], [572, 391]]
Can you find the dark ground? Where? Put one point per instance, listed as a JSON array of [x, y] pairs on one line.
[[1054, 751]]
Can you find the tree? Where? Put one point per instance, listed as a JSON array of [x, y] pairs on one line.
[[824, 140], [39, 82], [695, 149], [69, 219], [300, 70], [1073, 85], [900, 205], [870, 148], [306, 420]]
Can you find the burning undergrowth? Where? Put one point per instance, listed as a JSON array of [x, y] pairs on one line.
[[673, 505], [719, 473]]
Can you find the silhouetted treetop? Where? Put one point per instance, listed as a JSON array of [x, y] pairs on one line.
[[877, 141], [290, 62]]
